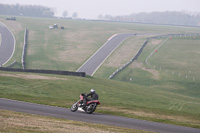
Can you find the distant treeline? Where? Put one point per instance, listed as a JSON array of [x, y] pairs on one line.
[[26, 10], [171, 18]]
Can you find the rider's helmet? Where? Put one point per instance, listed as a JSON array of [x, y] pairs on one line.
[[92, 90]]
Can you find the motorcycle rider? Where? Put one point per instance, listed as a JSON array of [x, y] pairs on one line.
[[92, 94]]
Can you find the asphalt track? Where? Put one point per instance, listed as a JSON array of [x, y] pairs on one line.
[[64, 113], [7, 44], [95, 61]]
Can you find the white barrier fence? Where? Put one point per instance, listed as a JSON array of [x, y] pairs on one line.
[[187, 75], [129, 62], [24, 48]]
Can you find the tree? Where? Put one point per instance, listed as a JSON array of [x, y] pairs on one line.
[[108, 17], [26, 10], [75, 15], [100, 17], [47, 13], [65, 14]]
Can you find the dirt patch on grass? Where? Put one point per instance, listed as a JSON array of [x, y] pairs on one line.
[[19, 122], [76, 54], [27, 76], [124, 53], [23, 122], [155, 42], [31, 35], [77, 48], [174, 118], [155, 74]]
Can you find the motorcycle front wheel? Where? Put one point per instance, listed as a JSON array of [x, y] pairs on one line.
[[91, 108], [74, 107]]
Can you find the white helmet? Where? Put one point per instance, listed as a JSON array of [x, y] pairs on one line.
[[92, 90]]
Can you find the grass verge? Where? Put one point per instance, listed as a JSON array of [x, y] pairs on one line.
[[21, 123]]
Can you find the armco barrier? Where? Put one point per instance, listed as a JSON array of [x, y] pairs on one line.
[[24, 48], [128, 63], [81, 74]]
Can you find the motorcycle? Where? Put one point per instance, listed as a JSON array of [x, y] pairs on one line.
[[89, 108]]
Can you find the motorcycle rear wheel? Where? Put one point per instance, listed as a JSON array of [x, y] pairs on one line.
[[91, 108]]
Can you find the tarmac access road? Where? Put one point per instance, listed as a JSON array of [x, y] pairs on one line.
[[95, 61], [7, 44], [64, 113]]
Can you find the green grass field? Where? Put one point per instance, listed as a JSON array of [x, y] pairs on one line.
[[68, 49], [152, 92], [179, 55], [150, 102]]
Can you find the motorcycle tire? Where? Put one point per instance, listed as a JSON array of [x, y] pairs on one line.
[[74, 107], [90, 108]]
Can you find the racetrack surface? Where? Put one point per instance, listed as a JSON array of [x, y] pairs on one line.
[[7, 45], [95, 61], [64, 113]]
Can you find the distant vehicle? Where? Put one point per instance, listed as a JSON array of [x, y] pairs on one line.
[[55, 26], [89, 108], [11, 18], [50, 27]]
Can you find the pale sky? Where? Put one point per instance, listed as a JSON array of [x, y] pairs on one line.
[[92, 8]]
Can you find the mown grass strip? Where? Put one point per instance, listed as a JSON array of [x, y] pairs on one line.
[[21, 122]]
